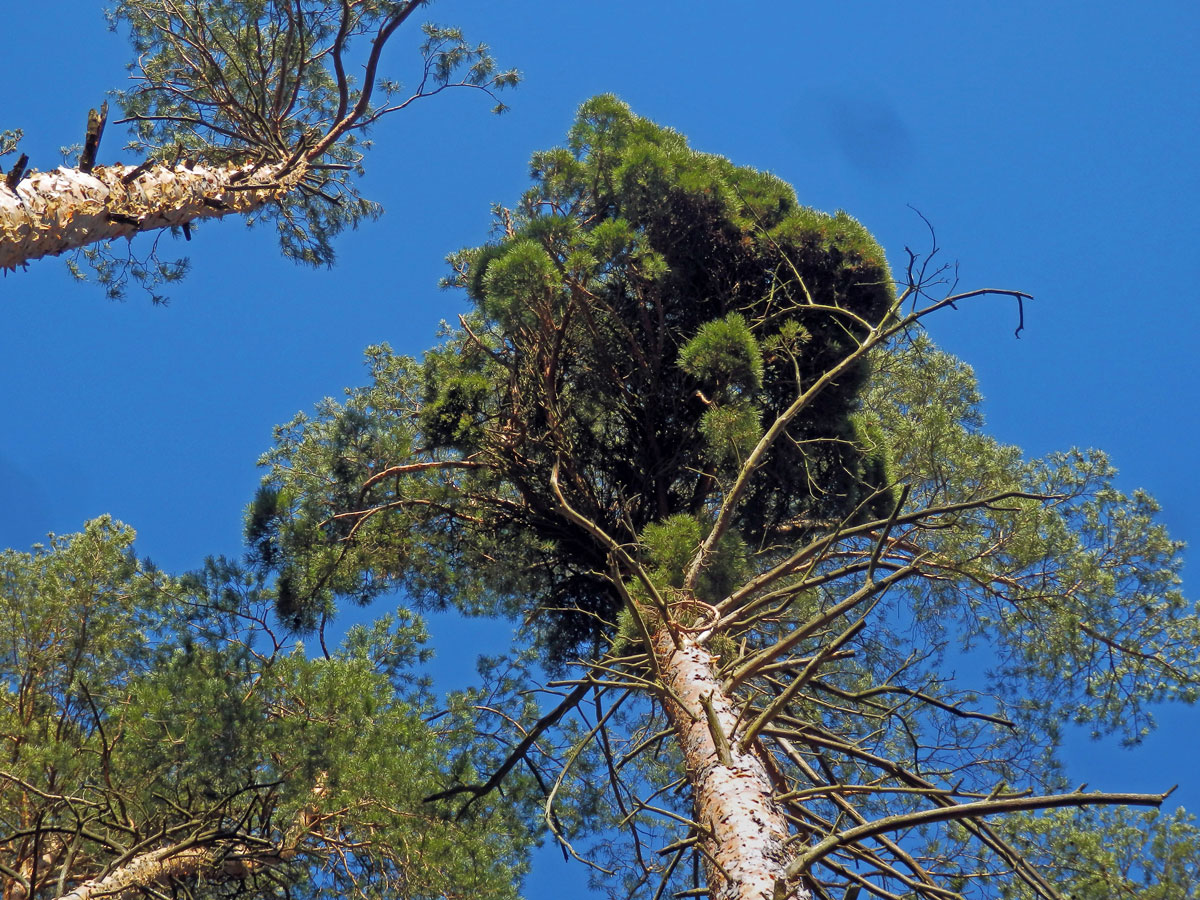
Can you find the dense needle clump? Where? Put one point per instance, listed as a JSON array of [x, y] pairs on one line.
[[645, 313], [648, 312], [689, 434]]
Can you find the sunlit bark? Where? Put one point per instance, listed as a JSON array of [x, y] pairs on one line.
[[49, 213], [745, 834], [212, 857], [150, 869]]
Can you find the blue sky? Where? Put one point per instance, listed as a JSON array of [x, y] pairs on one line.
[[1051, 144]]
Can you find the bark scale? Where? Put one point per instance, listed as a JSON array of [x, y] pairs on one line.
[[745, 842], [213, 860], [218, 861], [49, 213], [153, 868]]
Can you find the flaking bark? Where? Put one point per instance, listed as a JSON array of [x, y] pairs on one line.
[[211, 859], [744, 833], [49, 213], [155, 868]]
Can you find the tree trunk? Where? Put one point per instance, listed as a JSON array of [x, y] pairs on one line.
[[208, 859], [745, 834], [154, 868], [48, 213]]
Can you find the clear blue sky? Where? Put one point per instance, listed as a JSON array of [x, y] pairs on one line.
[[1053, 146]]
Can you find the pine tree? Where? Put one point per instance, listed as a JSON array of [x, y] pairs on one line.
[[692, 436], [246, 108], [163, 737]]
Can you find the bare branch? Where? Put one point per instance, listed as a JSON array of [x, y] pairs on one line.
[[976, 810]]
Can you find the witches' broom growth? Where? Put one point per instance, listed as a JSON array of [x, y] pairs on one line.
[[691, 436]]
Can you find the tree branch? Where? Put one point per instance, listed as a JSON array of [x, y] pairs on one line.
[[975, 810]]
